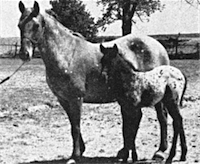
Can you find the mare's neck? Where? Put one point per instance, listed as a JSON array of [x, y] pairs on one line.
[[57, 42]]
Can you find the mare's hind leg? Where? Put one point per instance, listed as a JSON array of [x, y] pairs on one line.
[[73, 110], [131, 118], [178, 129], [162, 118]]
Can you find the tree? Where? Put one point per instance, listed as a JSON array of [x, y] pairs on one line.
[[125, 10], [193, 2], [73, 15]]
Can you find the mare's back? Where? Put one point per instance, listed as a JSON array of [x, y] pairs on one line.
[[144, 52]]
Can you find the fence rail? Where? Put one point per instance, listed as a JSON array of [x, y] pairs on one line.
[[184, 50], [179, 51], [9, 50]]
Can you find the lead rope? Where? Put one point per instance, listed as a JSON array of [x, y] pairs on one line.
[[7, 78]]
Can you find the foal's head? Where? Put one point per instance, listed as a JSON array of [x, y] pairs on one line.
[[113, 60], [108, 55], [31, 29]]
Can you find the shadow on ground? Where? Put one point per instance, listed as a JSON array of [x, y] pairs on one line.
[[95, 160]]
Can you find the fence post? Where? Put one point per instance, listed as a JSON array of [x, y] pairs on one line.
[[16, 45], [198, 49]]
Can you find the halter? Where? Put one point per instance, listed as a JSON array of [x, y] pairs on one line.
[[35, 42], [25, 21]]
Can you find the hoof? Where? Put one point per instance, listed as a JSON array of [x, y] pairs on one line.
[[134, 156], [123, 155], [71, 161], [183, 158], [159, 156], [168, 161]]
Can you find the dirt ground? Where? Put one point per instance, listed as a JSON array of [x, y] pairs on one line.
[[35, 129]]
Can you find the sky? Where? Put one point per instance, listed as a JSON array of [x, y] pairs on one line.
[[177, 17]]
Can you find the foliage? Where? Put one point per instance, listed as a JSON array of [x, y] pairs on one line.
[[116, 9], [73, 15]]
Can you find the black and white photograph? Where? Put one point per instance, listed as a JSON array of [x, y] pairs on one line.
[[100, 82]]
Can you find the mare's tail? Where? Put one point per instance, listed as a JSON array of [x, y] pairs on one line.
[[184, 89]]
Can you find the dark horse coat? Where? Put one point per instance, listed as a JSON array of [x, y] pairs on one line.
[[165, 84]]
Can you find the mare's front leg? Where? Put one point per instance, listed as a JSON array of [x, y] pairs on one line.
[[73, 110], [162, 114], [131, 118]]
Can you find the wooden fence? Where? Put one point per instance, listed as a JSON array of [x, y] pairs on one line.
[[9, 50], [183, 50]]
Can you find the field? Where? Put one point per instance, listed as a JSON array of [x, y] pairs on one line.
[[33, 126]]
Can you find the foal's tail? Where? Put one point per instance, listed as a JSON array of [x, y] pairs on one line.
[[184, 89]]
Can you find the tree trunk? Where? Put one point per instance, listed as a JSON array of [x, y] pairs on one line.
[[128, 12]]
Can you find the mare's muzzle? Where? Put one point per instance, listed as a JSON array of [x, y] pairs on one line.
[[26, 51]]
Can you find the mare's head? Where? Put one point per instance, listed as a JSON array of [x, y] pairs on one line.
[[31, 29]]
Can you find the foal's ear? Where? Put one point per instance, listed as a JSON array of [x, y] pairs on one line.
[[115, 48], [21, 7], [102, 48], [36, 9], [115, 51]]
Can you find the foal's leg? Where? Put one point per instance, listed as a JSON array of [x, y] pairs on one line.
[[73, 110], [137, 115], [178, 129], [183, 144], [162, 118], [131, 119]]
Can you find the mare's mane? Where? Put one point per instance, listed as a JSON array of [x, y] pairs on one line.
[[53, 14], [56, 18]]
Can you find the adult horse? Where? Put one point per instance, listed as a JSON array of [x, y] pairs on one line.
[[73, 69]]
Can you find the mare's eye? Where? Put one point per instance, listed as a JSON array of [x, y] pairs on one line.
[[35, 26]]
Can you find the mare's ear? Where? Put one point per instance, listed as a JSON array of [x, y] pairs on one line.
[[36, 9], [102, 48], [21, 7]]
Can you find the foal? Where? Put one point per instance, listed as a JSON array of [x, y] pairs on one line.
[[163, 84]]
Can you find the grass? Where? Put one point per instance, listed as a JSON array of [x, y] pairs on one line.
[[28, 86]]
